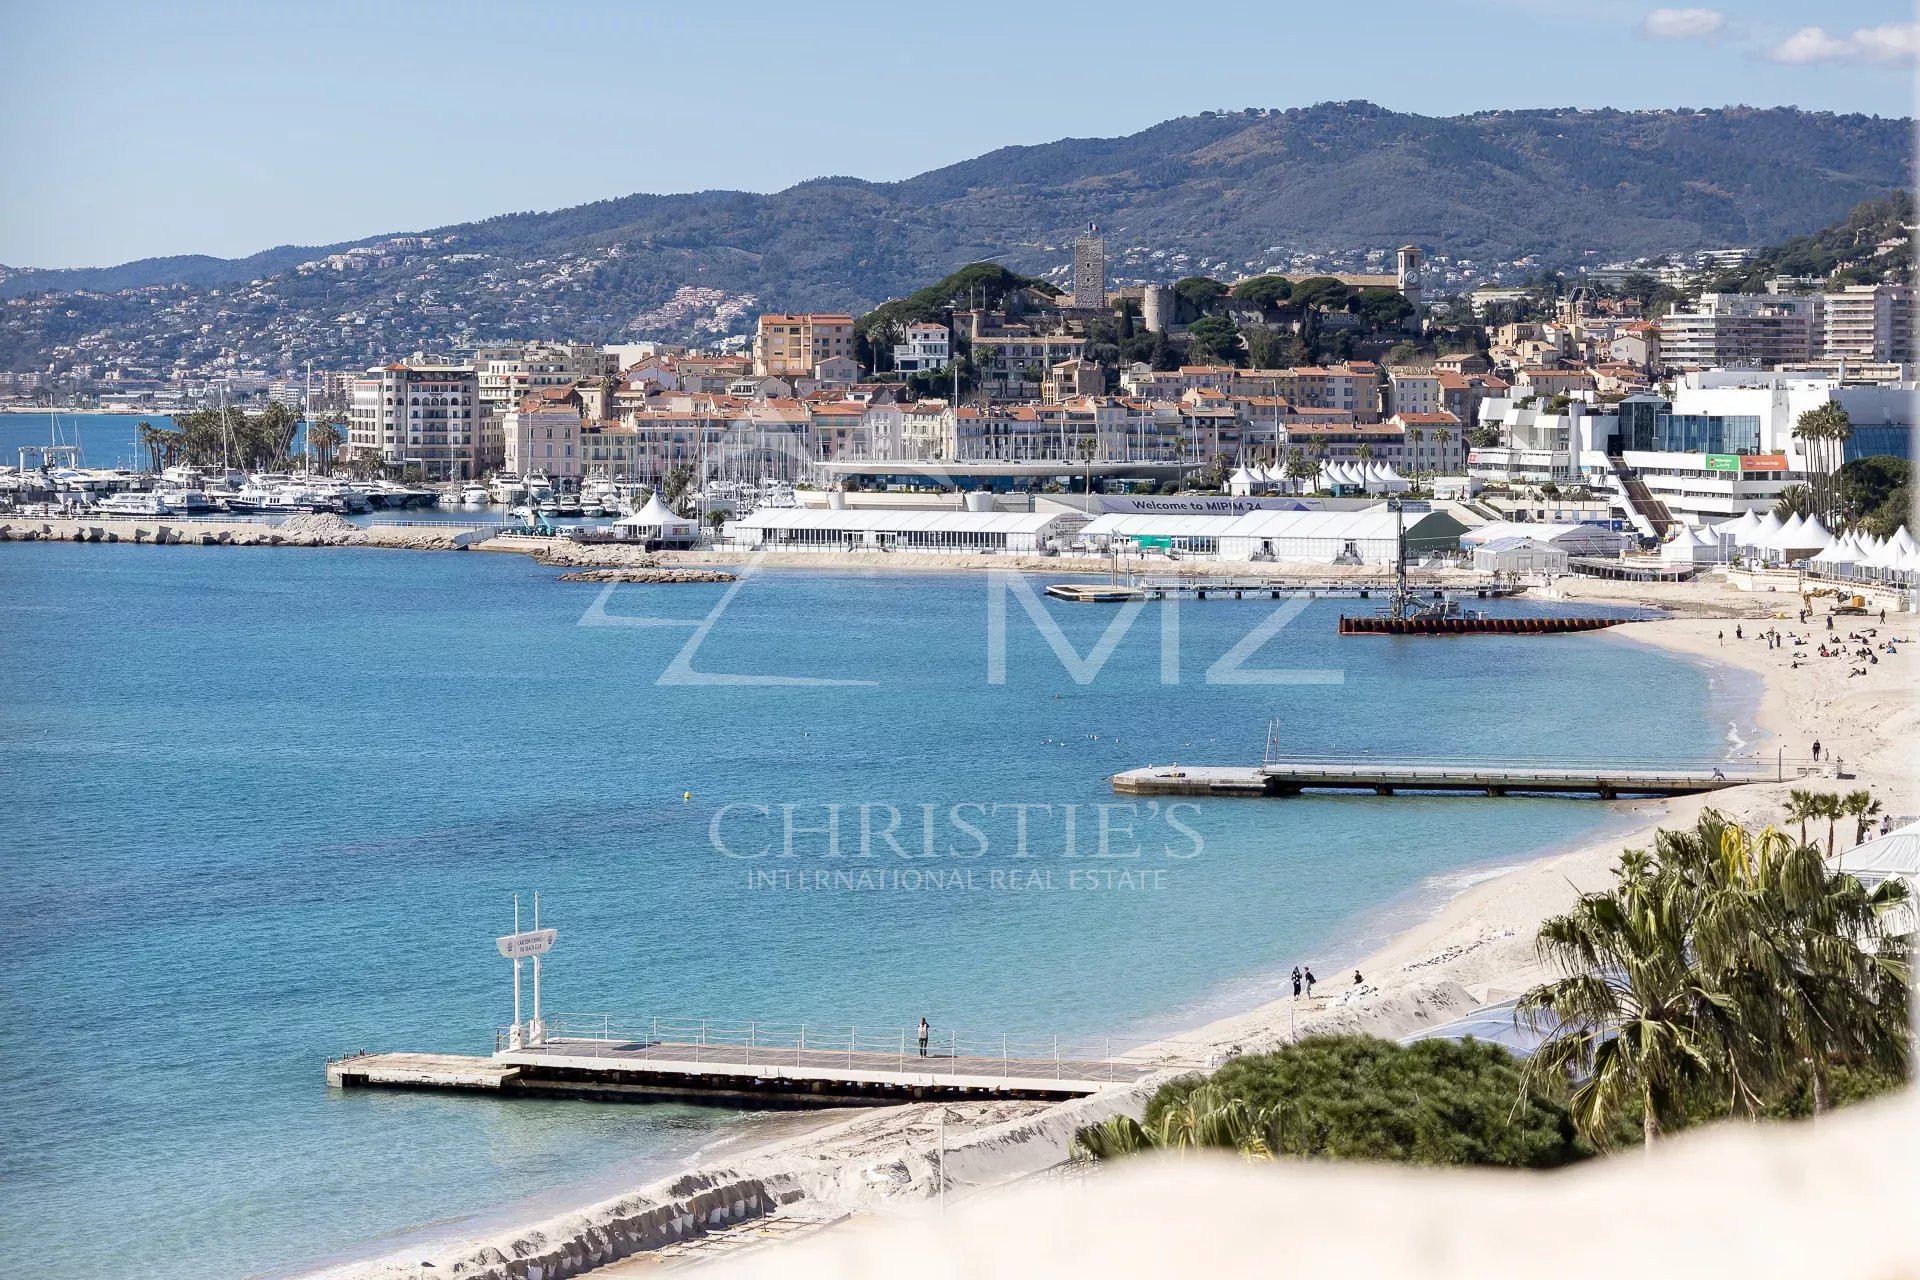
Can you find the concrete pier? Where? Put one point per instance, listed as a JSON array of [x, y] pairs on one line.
[[1389, 777], [780, 1075]]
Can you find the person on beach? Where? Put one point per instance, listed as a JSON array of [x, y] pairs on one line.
[[1883, 615], [1296, 982], [923, 1036], [1738, 634], [1723, 637], [1357, 979], [1816, 751], [1310, 982]]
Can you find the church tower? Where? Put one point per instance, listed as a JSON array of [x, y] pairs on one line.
[[1409, 262]]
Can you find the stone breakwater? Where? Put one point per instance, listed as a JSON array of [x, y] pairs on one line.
[[888, 1161], [296, 531], [647, 575]]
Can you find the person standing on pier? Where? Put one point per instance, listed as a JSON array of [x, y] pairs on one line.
[[923, 1036]]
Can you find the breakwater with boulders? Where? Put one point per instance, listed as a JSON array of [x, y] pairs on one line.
[[646, 574], [296, 531]]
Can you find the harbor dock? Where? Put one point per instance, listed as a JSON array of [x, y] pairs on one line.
[[756, 1066], [1387, 777]]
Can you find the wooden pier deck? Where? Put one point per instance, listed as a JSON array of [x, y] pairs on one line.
[[1385, 777], [784, 1072]]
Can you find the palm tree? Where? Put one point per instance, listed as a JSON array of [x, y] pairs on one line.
[[1802, 805], [1862, 808], [1365, 452], [1794, 500], [1832, 808], [1794, 943], [1638, 1027], [1206, 1119], [1824, 431], [324, 439]]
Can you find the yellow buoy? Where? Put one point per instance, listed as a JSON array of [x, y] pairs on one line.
[[685, 796]]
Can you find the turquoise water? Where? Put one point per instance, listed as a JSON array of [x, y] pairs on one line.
[[263, 806]]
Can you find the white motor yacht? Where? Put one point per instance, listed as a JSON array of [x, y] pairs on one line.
[[133, 503]]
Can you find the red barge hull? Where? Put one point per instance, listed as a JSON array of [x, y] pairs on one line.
[[1471, 626]]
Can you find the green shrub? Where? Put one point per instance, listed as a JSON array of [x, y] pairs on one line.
[[1436, 1102]]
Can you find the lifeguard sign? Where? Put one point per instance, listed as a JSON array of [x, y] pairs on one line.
[[518, 946]]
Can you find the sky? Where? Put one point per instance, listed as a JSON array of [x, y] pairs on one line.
[[229, 126]]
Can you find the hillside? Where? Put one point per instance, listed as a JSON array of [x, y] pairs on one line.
[[1224, 192]]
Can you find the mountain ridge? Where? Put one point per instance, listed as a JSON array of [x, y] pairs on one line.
[[1234, 192]]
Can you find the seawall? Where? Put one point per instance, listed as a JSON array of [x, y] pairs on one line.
[[296, 531]]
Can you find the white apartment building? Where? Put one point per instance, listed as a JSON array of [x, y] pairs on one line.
[[418, 414], [1870, 324], [1539, 447], [1742, 331], [927, 347], [1413, 391], [508, 375]]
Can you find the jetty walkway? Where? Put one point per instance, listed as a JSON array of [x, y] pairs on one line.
[[765, 1065], [1386, 776]]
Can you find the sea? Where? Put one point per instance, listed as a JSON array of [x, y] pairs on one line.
[[263, 806]]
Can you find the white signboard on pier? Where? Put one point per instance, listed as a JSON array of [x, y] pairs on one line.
[[534, 942]]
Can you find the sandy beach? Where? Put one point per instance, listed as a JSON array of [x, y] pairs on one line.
[[1474, 949]]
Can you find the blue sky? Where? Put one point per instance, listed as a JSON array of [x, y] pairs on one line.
[[224, 127]]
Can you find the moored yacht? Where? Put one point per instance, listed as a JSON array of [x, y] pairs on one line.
[[132, 503]]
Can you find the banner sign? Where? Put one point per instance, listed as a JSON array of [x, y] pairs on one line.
[[1746, 462]]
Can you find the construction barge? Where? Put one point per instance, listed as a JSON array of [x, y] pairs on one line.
[[1433, 622], [1408, 615]]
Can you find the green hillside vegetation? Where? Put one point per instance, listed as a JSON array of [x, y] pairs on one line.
[[1727, 972], [1846, 252]]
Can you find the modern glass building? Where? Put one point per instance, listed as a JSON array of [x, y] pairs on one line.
[[1706, 433]]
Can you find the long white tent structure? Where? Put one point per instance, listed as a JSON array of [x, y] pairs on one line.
[[1367, 536], [1574, 539], [853, 529]]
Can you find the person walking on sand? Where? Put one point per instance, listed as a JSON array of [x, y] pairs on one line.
[[1723, 638], [923, 1036], [1816, 751], [1296, 982], [1310, 982]]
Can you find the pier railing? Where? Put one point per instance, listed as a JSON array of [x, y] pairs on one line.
[[948, 1051], [1781, 767]]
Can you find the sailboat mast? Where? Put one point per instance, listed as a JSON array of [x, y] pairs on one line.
[[306, 415]]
